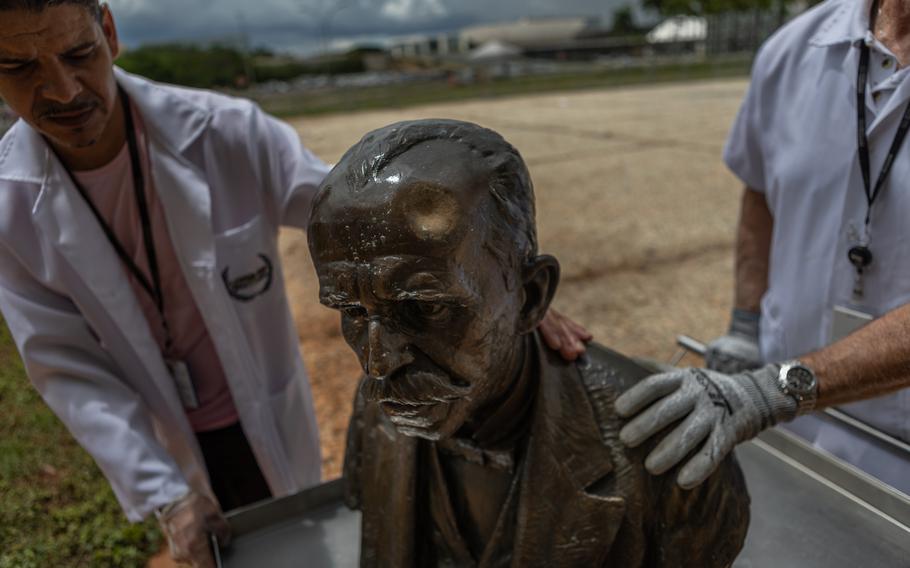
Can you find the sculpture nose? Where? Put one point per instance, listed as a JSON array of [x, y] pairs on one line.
[[387, 350]]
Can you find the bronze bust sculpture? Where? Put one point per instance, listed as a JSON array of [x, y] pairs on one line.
[[470, 443]]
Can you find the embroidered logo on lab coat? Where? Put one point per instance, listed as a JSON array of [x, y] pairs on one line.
[[248, 286]]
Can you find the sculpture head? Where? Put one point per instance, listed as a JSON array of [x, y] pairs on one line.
[[423, 237]]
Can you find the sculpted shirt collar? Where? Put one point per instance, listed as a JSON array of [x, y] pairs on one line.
[[502, 431]]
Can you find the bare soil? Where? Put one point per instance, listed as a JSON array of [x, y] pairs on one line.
[[632, 198]]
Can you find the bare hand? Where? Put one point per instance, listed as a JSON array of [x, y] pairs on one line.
[[187, 523], [564, 335]]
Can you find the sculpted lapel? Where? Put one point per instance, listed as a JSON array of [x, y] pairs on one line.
[[559, 522], [389, 506]]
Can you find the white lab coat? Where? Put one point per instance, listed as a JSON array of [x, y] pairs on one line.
[[227, 176]]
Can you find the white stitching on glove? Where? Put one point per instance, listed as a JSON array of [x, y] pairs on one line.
[[738, 350], [187, 523], [716, 411]]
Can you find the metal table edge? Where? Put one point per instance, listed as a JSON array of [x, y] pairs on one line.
[[276, 511], [845, 478]]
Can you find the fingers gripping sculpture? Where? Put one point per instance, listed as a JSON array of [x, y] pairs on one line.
[[470, 444]]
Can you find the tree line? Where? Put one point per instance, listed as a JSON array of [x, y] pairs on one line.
[[226, 66]]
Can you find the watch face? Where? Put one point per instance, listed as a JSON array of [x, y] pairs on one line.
[[800, 379]]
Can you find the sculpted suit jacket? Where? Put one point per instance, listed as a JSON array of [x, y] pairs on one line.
[[583, 500]]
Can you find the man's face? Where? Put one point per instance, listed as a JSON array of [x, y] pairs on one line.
[[56, 71], [430, 311]]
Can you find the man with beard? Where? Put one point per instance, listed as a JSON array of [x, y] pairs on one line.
[[470, 445]]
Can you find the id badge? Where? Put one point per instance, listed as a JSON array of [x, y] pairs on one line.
[[181, 375], [847, 320]]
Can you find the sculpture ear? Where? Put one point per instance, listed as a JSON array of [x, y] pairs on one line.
[[540, 278]]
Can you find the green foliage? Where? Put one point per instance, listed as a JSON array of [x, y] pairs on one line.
[[223, 66], [624, 21], [702, 7], [265, 70], [56, 509], [190, 65]]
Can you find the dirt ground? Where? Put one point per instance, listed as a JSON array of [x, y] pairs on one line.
[[632, 198]]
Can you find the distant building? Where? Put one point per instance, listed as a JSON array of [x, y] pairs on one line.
[[679, 29], [555, 38], [534, 33]]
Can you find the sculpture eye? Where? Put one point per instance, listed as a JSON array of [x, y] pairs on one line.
[[430, 310]]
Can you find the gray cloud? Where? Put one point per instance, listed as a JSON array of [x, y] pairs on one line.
[[301, 24]]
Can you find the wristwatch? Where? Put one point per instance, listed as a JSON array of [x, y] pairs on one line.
[[798, 381]]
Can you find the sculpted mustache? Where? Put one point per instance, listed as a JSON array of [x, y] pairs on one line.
[[419, 387], [71, 108]]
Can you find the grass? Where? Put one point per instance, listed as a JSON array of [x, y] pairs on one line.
[[56, 509], [402, 96]]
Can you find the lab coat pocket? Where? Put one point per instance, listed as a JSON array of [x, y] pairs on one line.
[[246, 262], [250, 273]]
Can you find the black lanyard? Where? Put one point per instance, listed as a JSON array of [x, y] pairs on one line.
[[862, 140], [860, 256], [153, 287]]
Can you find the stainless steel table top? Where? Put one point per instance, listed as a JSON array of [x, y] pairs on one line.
[[799, 519]]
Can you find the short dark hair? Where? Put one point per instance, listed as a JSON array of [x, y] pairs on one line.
[[93, 6], [510, 183]]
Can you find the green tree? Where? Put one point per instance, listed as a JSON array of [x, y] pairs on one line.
[[624, 21], [190, 65], [702, 7]]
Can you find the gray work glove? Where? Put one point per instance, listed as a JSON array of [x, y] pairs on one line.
[[187, 523], [737, 351], [717, 412]]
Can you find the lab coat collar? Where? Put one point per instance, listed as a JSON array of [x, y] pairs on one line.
[[848, 24], [24, 155], [69, 225], [178, 122]]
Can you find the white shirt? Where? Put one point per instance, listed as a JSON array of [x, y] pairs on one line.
[[795, 140], [227, 175]]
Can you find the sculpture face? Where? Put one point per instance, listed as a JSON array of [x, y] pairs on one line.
[[434, 315]]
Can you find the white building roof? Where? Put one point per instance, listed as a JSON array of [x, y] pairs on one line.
[[494, 50], [679, 28], [528, 32]]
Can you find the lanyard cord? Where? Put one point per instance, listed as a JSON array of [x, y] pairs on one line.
[[862, 139], [153, 287]]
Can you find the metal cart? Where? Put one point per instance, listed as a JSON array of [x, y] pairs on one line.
[[809, 510]]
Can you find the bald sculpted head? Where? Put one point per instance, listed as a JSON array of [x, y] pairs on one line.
[[423, 237]]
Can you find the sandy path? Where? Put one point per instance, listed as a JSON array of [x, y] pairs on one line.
[[633, 199]]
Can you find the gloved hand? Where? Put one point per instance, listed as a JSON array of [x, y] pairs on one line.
[[187, 523], [738, 350], [717, 411]]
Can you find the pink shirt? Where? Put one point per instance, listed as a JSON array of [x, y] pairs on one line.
[[111, 190]]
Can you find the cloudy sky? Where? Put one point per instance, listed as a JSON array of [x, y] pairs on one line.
[[296, 25]]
